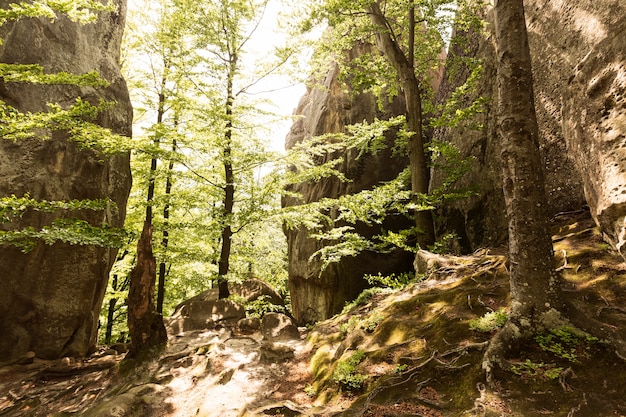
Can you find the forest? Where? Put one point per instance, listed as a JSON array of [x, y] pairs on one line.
[[254, 207]]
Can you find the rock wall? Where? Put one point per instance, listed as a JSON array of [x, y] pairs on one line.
[[561, 35], [329, 109], [591, 84], [51, 297]]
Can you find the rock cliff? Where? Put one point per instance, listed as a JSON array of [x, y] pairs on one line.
[[555, 50], [51, 297], [328, 109]]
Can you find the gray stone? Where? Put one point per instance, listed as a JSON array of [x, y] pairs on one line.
[[270, 352], [277, 326], [51, 297]]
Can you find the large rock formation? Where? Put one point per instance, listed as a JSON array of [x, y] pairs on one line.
[[318, 295], [51, 297], [558, 43], [591, 84]]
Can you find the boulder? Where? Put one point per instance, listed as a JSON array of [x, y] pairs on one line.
[[204, 311], [277, 326], [51, 297]]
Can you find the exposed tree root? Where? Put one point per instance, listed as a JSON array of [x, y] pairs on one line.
[[603, 331], [498, 347], [511, 335]]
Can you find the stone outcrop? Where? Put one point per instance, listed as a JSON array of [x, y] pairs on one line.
[[480, 220], [592, 86], [205, 311], [51, 296], [318, 295]]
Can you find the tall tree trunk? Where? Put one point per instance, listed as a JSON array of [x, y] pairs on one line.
[[411, 87], [536, 302], [108, 331], [229, 187], [145, 325], [165, 239]]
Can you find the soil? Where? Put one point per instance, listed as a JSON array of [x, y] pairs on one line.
[[418, 356]]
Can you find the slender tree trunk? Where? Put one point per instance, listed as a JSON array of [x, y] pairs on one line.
[[411, 87], [145, 325], [536, 302], [229, 187], [108, 332], [165, 239]]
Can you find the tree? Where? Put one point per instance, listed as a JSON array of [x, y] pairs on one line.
[[145, 324], [537, 301], [223, 31], [395, 28], [403, 61]]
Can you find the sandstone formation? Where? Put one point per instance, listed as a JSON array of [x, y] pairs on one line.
[[593, 51], [51, 297], [480, 220], [328, 109]]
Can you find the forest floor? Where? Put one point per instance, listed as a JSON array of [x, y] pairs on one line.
[[410, 352]]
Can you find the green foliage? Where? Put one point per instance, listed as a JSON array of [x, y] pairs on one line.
[[14, 207], [71, 231], [393, 281], [83, 11], [536, 371], [260, 306], [399, 368], [74, 120], [566, 342], [490, 321], [346, 375]]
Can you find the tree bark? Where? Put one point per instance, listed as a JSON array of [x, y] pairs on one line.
[[411, 87], [165, 239], [229, 187], [145, 325], [536, 302]]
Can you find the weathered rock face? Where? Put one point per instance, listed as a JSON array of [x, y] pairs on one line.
[[51, 297], [329, 109], [557, 45], [592, 83]]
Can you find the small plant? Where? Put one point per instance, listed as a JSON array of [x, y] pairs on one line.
[[370, 323], [532, 370], [490, 321], [444, 244], [393, 281], [345, 373], [566, 342], [262, 305], [400, 368], [350, 325], [309, 390]]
